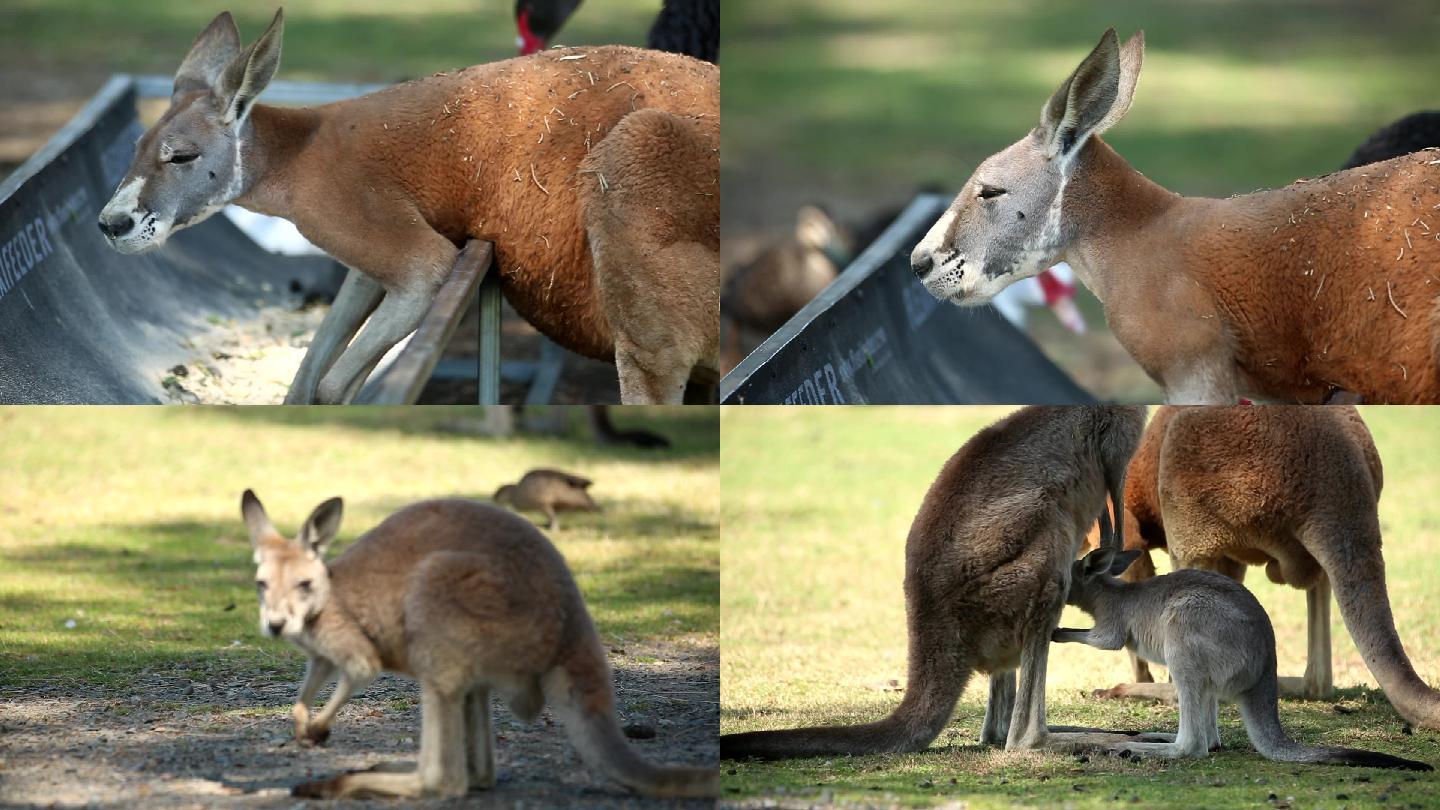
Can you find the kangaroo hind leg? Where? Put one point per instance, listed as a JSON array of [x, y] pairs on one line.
[[649, 196]]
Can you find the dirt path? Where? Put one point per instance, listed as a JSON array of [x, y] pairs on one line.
[[173, 742]]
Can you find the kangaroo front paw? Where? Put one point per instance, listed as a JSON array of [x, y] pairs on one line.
[[312, 734]]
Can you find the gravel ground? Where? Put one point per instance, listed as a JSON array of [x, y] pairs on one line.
[[246, 361], [170, 741]]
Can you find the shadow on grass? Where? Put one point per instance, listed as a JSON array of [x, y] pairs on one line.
[[693, 431], [174, 593]]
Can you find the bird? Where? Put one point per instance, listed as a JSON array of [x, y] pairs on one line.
[[690, 27], [548, 491]]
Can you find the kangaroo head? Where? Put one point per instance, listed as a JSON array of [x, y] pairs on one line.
[[1101, 565], [504, 494], [291, 578], [1007, 224], [190, 163]]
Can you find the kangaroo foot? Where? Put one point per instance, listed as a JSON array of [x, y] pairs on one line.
[[312, 735], [320, 789], [1138, 691]]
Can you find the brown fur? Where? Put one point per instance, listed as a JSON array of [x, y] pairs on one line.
[[1241, 277], [465, 598], [987, 563], [453, 155], [595, 173], [549, 491], [1294, 489]]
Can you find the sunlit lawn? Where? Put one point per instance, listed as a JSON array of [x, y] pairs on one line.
[[125, 521], [817, 504]]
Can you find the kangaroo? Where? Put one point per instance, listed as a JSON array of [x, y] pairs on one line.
[[1293, 294], [594, 171], [1297, 490], [987, 563], [467, 599], [1218, 643], [548, 491]]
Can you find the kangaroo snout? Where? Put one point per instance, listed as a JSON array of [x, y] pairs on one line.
[[274, 628], [115, 226], [921, 262]]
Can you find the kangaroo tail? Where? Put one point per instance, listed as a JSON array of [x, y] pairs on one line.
[[934, 685], [1357, 574], [1262, 722], [579, 689]]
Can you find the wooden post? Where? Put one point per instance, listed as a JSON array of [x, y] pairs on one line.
[[489, 348]]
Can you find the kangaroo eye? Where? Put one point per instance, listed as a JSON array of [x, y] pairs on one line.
[[184, 158], [303, 585], [989, 192]]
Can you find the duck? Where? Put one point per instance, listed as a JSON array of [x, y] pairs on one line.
[[549, 491]]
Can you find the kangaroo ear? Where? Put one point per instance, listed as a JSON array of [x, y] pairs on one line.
[[321, 526], [1122, 561], [256, 521], [1095, 97], [247, 75], [1098, 560], [215, 48]]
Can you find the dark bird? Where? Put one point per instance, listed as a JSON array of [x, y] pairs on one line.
[[1412, 133], [690, 27]]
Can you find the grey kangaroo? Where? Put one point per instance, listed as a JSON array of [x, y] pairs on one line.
[[467, 599], [1218, 643], [987, 564]]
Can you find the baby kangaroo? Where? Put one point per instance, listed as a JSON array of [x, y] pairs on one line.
[[1218, 643], [467, 599]]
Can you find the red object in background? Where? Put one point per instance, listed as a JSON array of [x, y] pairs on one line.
[[1054, 289], [528, 42]]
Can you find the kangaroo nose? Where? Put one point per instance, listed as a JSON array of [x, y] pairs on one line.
[[115, 227], [276, 627], [921, 263]]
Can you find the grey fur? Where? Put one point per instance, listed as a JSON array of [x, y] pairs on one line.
[[1218, 643], [987, 564]]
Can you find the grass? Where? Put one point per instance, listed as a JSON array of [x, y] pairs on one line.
[[125, 521], [814, 631], [339, 40]]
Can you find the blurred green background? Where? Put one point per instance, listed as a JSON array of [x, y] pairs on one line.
[[857, 104]]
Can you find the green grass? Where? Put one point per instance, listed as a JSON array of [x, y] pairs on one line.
[[126, 522], [1233, 96], [342, 40], [816, 508]]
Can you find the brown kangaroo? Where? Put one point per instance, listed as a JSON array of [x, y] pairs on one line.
[[466, 599], [1295, 489], [1289, 294], [987, 564], [594, 171]]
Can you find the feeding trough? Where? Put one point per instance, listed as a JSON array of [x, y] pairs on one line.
[[80, 323], [875, 336]]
